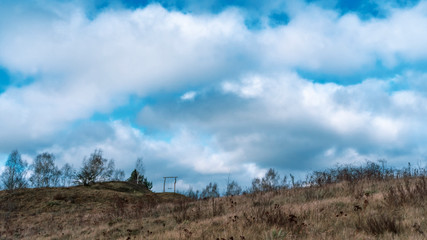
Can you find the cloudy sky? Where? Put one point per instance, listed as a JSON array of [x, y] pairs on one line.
[[208, 89]]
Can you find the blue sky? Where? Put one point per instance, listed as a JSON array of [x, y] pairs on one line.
[[204, 90]]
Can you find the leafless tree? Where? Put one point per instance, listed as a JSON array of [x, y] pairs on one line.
[[108, 172], [45, 172], [94, 169], [13, 177], [68, 174], [211, 191], [270, 181], [233, 189], [119, 175], [140, 169]]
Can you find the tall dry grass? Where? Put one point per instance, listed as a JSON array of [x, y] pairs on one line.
[[344, 203]]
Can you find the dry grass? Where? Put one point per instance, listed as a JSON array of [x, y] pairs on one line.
[[366, 209]]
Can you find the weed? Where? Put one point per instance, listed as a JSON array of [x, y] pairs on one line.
[[275, 234]]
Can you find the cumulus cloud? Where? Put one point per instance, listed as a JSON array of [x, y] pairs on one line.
[[292, 123], [83, 65], [184, 155], [323, 41], [223, 98]]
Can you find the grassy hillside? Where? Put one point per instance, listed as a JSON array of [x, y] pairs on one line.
[[75, 212], [363, 209]]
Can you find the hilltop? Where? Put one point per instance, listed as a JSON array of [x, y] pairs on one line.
[[66, 213]]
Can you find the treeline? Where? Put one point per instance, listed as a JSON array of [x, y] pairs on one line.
[[270, 181], [43, 172], [370, 171]]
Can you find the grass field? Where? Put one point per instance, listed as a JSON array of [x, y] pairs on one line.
[[364, 209]]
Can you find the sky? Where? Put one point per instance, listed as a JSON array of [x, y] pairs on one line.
[[215, 90]]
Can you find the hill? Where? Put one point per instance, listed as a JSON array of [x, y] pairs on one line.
[[367, 208], [67, 213]]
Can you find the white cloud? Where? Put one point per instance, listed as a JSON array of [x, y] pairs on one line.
[[251, 86], [323, 41], [294, 124], [184, 155], [349, 156], [188, 96], [82, 66], [261, 112]]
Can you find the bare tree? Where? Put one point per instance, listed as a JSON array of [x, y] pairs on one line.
[[211, 191], [119, 175], [93, 169], [13, 177], [270, 181], [68, 174], [140, 169], [233, 189], [256, 185], [45, 172], [108, 172], [192, 194]]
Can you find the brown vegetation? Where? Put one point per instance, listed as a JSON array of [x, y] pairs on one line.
[[367, 207]]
